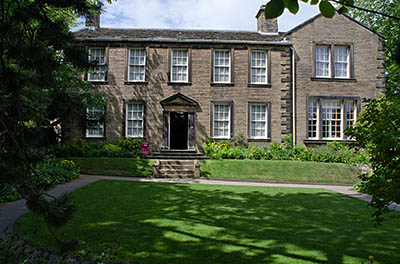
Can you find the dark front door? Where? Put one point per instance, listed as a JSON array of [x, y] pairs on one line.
[[179, 130]]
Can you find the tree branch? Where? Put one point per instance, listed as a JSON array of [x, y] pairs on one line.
[[365, 9]]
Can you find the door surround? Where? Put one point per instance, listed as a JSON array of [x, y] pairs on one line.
[[179, 104]]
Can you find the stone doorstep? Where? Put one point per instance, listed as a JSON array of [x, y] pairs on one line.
[[176, 168]]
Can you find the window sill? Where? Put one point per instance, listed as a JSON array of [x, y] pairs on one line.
[[179, 83], [222, 84], [259, 140], [98, 82], [324, 141], [323, 79], [95, 138], [135, 83], [221, 138], [259, 85]]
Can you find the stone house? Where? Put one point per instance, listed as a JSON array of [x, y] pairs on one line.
[[176, 88]]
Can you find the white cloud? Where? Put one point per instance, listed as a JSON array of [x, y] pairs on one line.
[[194, 14]]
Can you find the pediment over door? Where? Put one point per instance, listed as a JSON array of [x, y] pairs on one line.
[[180, 101]]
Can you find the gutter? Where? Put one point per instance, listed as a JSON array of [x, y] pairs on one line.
[[293, 98], [208, 41]]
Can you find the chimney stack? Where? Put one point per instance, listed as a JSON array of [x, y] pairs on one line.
[[269, 26], [92, 21]]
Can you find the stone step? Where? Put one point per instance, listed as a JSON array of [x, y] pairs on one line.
[[171, 171], [176, 169], [177, 162], [179, 157]]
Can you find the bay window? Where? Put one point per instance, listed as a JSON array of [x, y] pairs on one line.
[[327, 118]]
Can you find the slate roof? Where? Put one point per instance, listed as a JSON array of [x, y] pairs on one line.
[[107, 34]]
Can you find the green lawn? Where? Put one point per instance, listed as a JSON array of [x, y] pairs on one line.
[[280, 171], [115, 166], [197, 224]]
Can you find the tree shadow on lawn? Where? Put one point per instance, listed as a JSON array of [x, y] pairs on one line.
[[178, 223]]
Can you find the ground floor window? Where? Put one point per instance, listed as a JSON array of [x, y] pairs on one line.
[[94, 122], [258, 120], [328, 118], [221, 120], [134, 119]]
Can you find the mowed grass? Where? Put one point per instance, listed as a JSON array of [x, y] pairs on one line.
[[280, 171], [115, 166], [197, 224]]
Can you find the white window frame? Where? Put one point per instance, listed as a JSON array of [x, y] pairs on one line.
[[222, 66], [101, 124], [258, 67], [321, 104], [223, 120], [101, 64], [132, 66], [317, 61], [350, 121], [138, 119], [337, 62], [314, 117], [256, 121], [180, 65], [330, 121], [333, 61]]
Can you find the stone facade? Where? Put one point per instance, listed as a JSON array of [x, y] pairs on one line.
[[197, 96], [367, 63]]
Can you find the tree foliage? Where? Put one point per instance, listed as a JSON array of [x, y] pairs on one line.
[[40, 86], [390, 29]]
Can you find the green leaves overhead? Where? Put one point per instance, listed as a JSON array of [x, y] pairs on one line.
[[326, 9], [292, 5], [275, 8]]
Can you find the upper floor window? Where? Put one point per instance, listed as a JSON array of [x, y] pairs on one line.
[[221, 120], [342, 62], [97, 72], [134, 120], [332, 61], [94, 122], [137, 65], [180, 66], [328, 118], [222, 66], [258, 68], [322, 61], [258, 121]]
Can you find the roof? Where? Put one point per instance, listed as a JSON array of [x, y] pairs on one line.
[[309, 21], [108, 34]]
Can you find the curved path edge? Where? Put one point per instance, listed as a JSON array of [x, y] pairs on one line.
[[10, 212]]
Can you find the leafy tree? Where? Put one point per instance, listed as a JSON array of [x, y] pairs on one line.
[[378, 126], [390, 29], [40, 87]]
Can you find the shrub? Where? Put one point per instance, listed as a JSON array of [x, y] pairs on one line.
[[132, 147], [331, 152], [44, 175], [125, 147], [112, 150]]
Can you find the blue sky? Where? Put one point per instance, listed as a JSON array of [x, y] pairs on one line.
[[195, 14]]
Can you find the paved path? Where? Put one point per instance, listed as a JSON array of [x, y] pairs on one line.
[[10, 212]]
